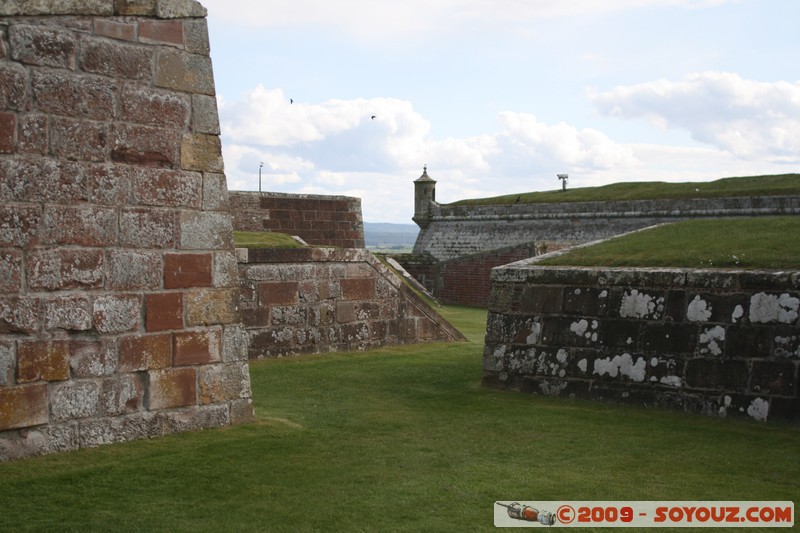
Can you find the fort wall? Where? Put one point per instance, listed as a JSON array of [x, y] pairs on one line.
[[318, 220], [712, 342], [317, 300], [118, 277]]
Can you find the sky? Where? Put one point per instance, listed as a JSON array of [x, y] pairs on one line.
[[355, 97]]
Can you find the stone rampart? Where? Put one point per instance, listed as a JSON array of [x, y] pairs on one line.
[[706, 341], [316, 300], [118, 278], [457, 231], [318, 220]]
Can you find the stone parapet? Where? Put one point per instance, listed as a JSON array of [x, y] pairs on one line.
[[718, 342]]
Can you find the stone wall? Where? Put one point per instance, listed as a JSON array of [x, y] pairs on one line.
[[712, 342], [318, 220], [315, 300], [118, 279], [457, 231]]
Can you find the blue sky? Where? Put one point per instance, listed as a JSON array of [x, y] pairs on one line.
[[497, 97]]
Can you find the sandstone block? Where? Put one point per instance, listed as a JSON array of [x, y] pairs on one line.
[[122, 428], [206, 230], [184, 72], [78, 140], [278, 293], [56, 7], [235, 343], [131, 270], [8, 126], [172, 387], [87, 226], [145, 352], [116, 60], [109, 185], [13, 87], [155, 108], [115, 29], [148, 228], [161, 32], [32, 134], [358, 288], [19, 225], [65, 268], [42, 361], [42, 45], [93, 358], [215, 192], [145, 145], [205, 116], [117, 313], [23, 406], [202, 152], [197, 347], [19, 315], [71, 95], [225, 269], [212, 306], [10, 271], [72, 313], [170, 9], [187, 270], [242, 411], [168, 188], [74, 399], [121, 395], [163, 311], [222, 383]]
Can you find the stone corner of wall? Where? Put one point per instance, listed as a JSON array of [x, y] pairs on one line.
[[164, 9]]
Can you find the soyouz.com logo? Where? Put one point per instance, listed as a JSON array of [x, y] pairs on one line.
[[644, 514]]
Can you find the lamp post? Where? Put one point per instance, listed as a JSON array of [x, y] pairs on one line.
[[259, 175], [563, 178]]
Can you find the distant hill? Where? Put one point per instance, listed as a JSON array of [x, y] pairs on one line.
[[386, 237]]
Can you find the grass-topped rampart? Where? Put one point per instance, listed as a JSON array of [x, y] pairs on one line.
[[776, 185], [747, 243]]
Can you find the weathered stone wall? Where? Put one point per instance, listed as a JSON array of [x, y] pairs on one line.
[[118, 278], [317, 219], [713, 342], [457, 231], [315, 300]]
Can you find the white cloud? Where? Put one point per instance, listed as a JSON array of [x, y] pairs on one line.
[[750, 119]]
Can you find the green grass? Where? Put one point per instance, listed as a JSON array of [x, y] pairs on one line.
[[788, 184], [749, 243], [398, 439], [264, 239]]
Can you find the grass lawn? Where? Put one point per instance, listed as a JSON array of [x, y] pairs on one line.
[[761, 242], [398, 439], [264, 239], [780, 184]]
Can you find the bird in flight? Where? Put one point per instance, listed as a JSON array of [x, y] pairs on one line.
[[373, 117], [291, 101]]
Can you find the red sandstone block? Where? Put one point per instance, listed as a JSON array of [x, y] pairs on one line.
[[168, 188], [19, 225], [148, 228], [82, 226], [163, 311], [116, 60], [36, 179], [278, 293], [10, 271], [109, 185], [124, 31], [78, 140], [13, 87], [8, 125], [358, 288], [145, 352], [72, 313], [187, 270], [161, 31], [71, 95], [23, 406], [93, 358], [197, 347], [184, 72], [158, 108], [32, 134], [145, 145], [42, 45], [42, 361], [172, 387], [65, 269], [20, 315]]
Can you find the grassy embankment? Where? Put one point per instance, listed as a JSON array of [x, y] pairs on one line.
[[397, 439], [780, 184]]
